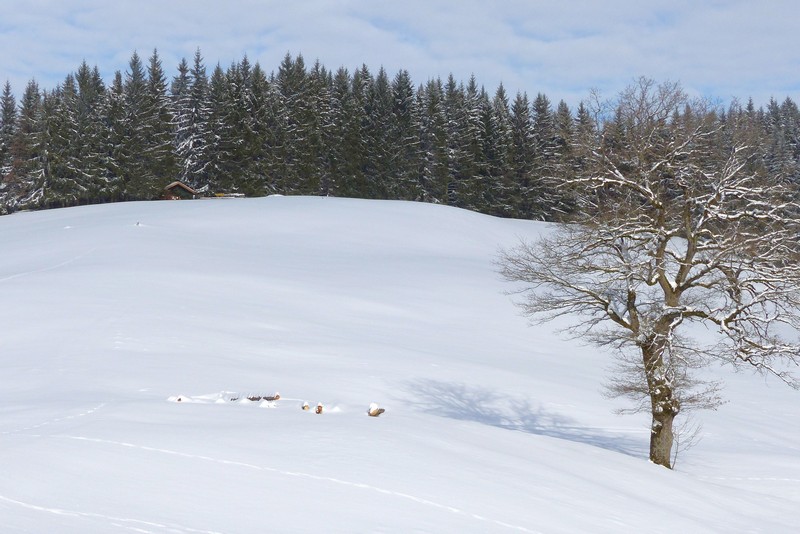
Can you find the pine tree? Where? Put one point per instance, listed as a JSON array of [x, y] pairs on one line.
[[317, 167], [27, 152], [403, 138], [273, 121], [498, 153], [357, 127], [546, 158], [8, 127], [194, 136], [339, 151], [145, 159], [781, 143], [181, 101], [456, 114], [64, 179], [262, 137], [584, 135], [490, 177], [132, 159], [90, 132], [378, 145], [434, 176], [791, 115], [72, 159], [219, 134], [116, 150], [744, 127], [524, 192], [301, 148], [251, 119], [347, 142], [564, 123], [161, 167], [473, 167], [236, 127]]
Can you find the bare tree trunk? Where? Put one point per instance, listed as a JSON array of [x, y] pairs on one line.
[[661, 438], [664, 406]]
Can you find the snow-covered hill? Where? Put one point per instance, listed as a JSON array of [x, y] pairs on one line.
[[110, 313]]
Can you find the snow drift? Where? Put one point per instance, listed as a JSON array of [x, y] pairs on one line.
[[109, 312]]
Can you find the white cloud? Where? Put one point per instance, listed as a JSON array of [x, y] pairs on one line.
[[724, 48]]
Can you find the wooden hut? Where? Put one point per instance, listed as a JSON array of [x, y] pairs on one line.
[[179, 191]]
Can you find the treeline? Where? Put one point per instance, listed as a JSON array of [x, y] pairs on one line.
[[312, 131]]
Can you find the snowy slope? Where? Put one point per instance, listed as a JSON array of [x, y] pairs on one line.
[[111, 312]]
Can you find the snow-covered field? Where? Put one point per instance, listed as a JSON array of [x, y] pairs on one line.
[[110, 313]]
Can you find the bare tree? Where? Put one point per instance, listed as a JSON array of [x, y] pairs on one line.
[[677, 230]]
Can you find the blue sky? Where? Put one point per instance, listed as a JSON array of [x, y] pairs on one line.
[[718, 48]]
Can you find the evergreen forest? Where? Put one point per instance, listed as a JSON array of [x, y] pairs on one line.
[[307, 130]]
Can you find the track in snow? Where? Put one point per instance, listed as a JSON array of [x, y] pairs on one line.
[[307, 476], [52, 421], [137, 525]]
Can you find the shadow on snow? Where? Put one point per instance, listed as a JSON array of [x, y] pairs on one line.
[[488, 407]]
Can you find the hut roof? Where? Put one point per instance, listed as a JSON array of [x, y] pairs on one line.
[[181, 185]]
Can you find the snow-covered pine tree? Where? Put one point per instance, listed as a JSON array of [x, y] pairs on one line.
[[781, 140], [524, 195], [181, 106], [27, 152], [498, 153], [379, 158], [546, 157], [490, 175], [457, 126], [91, 131], [433, 171], [72, 134], [219, 134], [341, 101], [64, 177], [8, 127], [115, 141], [791, 114], [192, 152], [262, 134], [356, 127], [584, 135], [131, 158], [465, 135], [564, 124], [299, 146], [237, 128], [158, 125], [144, 137], [474, 177], [319, 126], [404, 139]]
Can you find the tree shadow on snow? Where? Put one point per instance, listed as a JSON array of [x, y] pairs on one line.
[[488, 407]]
